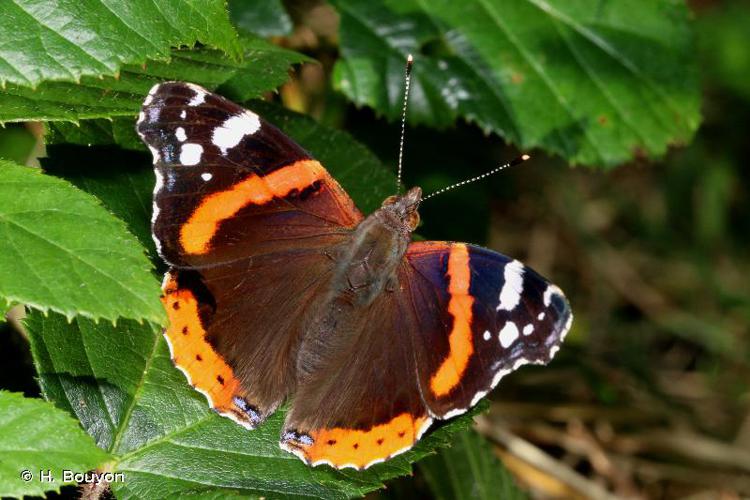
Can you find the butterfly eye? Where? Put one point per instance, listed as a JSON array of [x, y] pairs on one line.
[[412, 220], [389, 201]]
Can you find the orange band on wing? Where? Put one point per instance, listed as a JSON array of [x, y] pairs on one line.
[[453, 366], [196, 234], [205, 369], [340, 447]]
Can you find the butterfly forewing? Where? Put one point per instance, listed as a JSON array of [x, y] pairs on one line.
[[228, 183], [477, 315]]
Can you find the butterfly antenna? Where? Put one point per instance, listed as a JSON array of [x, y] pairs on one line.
[[407, 81], [495, 170]]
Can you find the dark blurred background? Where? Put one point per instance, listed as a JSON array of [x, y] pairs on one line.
[[649, 398]]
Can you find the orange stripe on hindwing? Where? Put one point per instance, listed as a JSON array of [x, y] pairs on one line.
[[449, 374], [196, 234], [195, 357], [341, 447]]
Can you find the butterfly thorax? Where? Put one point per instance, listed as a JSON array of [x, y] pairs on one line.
[[366, 267]]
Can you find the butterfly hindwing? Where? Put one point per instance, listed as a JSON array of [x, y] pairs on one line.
[[359, 402], [430, 347], [234, 330], [477, 316]]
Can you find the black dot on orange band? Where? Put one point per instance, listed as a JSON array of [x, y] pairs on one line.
[[331, 442], [176, 305], [355, 446], [184, 330], [401, 434], [380, 441], [220, 379], [199, 357]]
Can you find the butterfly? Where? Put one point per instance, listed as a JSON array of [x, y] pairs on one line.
[[279, 289]]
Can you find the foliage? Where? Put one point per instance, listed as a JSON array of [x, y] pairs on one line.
[[262, 68], [38, 438], [262, 18], [468, 470], [63, 42], [63, 251], [594, 83]]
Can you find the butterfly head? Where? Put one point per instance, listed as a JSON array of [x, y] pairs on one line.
[[404, 207]]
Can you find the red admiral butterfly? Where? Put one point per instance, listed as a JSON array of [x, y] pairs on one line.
[[280, 288]]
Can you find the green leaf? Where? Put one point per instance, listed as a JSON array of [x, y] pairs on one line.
[[125, 186], [16, 143], [120, 383], [64, 41], [262, 17], [596, 83], [61, 250], [35, 436], [469, 470], [263, 67]]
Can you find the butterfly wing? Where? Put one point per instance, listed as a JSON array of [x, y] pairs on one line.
[[229, 184], [359, 402], [235, 202], [480, 315], [431, 347]]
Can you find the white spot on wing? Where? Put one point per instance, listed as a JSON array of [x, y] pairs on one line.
[[199, 97], [549, 292], [155, 214], [190, 154], [206, 176], [487, 335], [180, 134], [508, 334], [510, 294], [528, 329], [234, 129], [183, 114], [540, 316]]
